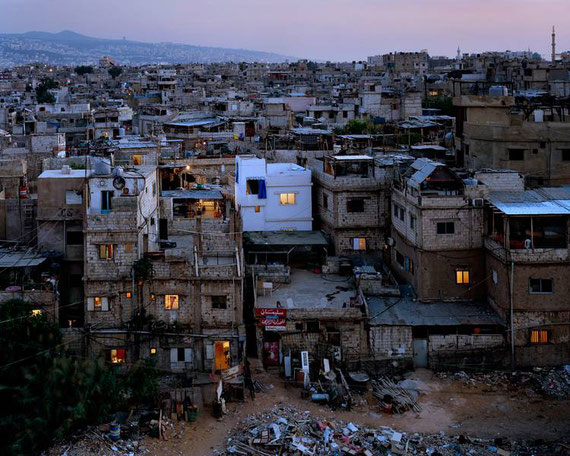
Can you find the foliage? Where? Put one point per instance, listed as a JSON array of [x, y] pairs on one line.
[[443, 103], [42, 91], [83, 69], [115, 71], [45, 392], [143, 269], [360, 127], [411, 138], [142, 381]]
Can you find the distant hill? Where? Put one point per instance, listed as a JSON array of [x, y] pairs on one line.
[[70, 48]]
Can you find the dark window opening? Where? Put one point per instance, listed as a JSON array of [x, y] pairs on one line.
[[219, 302], [539, 286], [313, 326], [516, 154], [446, 228], [355, 205], [74, 238]]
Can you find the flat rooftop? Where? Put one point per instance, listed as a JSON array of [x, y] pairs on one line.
[[308, 290]]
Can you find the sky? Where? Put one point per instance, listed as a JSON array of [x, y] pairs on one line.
[[337, 30]]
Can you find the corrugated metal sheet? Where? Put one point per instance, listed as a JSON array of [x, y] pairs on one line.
[[193, 194], [424, 167], [20, 260], [542, 201]]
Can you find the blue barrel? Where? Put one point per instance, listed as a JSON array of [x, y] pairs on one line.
[[115, 431]]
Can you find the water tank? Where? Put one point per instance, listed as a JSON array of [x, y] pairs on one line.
[[101, 166]]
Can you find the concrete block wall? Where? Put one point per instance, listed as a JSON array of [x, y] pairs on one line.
[[391, 341]]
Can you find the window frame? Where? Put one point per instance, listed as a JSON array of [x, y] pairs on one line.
[[287, 199], [540, 282], [539, 339], [446, 226], [216, 305], [168, 304], [350, 205], [463, 271], [109, 254]]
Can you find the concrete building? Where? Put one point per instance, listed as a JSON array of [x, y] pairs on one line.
[[274, 196], [494, 132], [527, 262]]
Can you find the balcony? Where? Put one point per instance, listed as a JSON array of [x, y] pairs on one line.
[[523, 255]]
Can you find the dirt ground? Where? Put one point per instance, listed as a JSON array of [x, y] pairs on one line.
[[448, 406]]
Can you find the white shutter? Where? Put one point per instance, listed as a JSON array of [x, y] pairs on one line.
[[105, 303], [173, 355], [187, 355], [90, 304], [355, 243]]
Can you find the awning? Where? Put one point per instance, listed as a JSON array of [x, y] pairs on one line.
[[193, 194], [288, 238], [20, 260]]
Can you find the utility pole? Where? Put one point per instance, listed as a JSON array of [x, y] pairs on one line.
[[553, 45]]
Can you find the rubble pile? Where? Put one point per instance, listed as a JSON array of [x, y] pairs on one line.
[[551, 382], [286, 431]]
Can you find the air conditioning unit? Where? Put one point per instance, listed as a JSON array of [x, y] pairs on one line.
[[527, 244], [477, 202]]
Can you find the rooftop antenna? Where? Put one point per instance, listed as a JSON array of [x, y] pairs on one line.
[[553, 45]]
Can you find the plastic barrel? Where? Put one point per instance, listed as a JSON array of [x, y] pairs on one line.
[[115, 431]]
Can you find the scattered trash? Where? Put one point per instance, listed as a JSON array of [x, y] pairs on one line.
[[393, 398]]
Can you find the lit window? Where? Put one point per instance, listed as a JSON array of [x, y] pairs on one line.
[[128, 295], [153, 351], [462, 276], [106, 251], [257, 208], [539, 336], [98, 302], [171, 302], [36, 312], [118, 355], [359, 243], [287, 198], [152, 297]]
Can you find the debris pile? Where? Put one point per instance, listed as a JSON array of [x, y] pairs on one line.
[[393, 398], [287, 431], [552, 382]]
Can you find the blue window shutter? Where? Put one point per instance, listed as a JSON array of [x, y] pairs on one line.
[[262, 192]]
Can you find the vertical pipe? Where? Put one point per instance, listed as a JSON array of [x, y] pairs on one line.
[[512, 315]]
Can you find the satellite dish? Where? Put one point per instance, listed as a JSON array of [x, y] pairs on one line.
[[119, 183]]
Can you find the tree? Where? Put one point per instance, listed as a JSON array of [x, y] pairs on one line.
[[442, 103], [42, 91], [115, 71], [83, 69]]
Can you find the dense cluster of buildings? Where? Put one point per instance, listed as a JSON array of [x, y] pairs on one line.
[[405, 211]]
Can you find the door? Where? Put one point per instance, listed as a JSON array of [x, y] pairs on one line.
[[106, 198], [221, 355], [420, 353]]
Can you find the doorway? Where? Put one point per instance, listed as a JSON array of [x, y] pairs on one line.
[[221, 355], [420, 353]]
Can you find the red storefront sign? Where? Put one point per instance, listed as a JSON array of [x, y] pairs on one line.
[[272, 322], [271, 312]]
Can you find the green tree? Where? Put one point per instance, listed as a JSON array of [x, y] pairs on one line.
[[83, 69], [443, 103], [115, 72], [42, 91]]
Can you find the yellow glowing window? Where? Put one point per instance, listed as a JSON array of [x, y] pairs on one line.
[[171, 302], [36, 312], [539, 336], [128, 295], [153, 351], [97, 302], [152, 297], [118, 355], [137, 159], [287, 198], [462, 276], [106, 251], [257, 208]]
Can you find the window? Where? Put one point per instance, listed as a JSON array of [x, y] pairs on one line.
[[402, 214], [313, 326], [565, 154], [153, 350], [106, 251], [98, 303], [252, 187], [325, 201], [118, 355], [516, 154], [287, 198], [355, 205], [74, 238], [219, 302], [257, 209], [494, 276], [128, 295], [36, 312], [396, 210], [445, 227], [412, 222], [400, 259], [171, 302], [538, 336], [128, 248], [409, 265], [539, 286], [359, 243], [73, 197], [462, 276], [106, 201]]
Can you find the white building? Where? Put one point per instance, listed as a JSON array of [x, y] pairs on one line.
[[273, 197]]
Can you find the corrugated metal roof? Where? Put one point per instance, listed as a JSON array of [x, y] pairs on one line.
[[424, 167], [20, 260], [405, 311], [285, 238], [542, 201]]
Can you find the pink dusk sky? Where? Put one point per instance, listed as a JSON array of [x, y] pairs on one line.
[[315, 29]]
